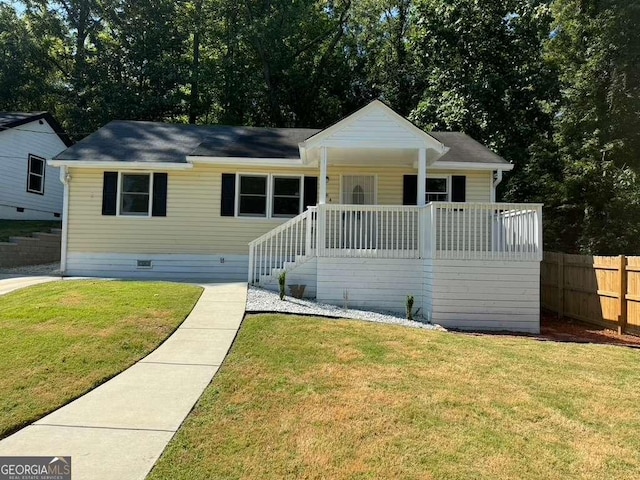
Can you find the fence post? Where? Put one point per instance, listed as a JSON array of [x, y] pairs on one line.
[[560, 285], [622, 319]]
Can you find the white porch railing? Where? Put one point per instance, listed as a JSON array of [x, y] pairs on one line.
[[498, 231], [474, 231], [291, 242], [378, 231]]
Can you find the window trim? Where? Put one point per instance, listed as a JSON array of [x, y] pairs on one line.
[[270, 189], [447, 178], [119, 195], [29, 173]]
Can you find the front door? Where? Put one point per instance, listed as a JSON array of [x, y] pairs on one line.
[[358, 227]]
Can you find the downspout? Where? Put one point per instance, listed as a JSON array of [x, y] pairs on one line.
[[496, 182], [65, 177]]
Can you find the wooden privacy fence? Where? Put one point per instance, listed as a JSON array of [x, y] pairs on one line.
[[600, 290]]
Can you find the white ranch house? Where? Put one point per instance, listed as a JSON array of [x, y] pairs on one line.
[[29, 188], [367, 211]]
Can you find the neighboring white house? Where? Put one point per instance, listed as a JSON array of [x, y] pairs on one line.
[[365, 212], [29, 188]]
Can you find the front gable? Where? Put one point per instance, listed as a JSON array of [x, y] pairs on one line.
[[374, 126]]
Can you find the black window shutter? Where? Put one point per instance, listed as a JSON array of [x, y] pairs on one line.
[[159, 206], [410, 190], [310, 192], [458, 188], [109, 193], [228, 197]]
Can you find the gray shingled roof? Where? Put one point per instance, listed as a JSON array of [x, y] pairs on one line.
[[254, 142], [125, 141], [130, 141], [463, 148]]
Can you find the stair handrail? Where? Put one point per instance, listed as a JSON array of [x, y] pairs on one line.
[[305, 217]]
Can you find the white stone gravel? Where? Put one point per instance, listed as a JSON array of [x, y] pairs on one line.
[[44, 269], [261, 300]]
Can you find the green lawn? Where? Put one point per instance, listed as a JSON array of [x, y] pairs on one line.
[[24, 228], [59, 340], [307, 398]]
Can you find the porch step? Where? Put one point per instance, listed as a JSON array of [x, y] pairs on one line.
[[272, 277]]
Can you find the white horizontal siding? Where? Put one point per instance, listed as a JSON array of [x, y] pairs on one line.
[[374, 129], [427, 289], [167, 266], [15, 146], [486, 295], [379, 284]]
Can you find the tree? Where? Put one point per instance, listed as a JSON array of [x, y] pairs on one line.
[[142, 57], [485, 73], [27, 76], [377, 46], [596, 45]]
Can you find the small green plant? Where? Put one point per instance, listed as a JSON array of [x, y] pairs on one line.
[[410, 312], [282, 281]]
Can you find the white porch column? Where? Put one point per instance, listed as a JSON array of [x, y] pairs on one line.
[[322, 199], [422, 176]]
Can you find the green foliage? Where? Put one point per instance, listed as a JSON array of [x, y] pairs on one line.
[[553, 87], [409, 308], [26, 72], [282, 283], [484, 71], [597, 126]]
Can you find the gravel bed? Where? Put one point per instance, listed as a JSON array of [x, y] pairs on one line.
[[44, 269], [261, 300]]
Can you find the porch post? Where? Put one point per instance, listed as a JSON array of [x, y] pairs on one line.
[[422, 176], [322, 199]]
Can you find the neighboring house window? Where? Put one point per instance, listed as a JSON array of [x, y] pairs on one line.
[[252, 196], [35, 176], [135, 195], [287, 196], [437, 189]]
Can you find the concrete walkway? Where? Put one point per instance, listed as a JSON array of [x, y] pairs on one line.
[[9, 283], [119, 430]]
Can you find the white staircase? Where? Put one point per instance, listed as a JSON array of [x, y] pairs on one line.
[[282, 249]]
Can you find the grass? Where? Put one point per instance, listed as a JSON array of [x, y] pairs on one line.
[[24, 228], [307, 398], [59, 340]]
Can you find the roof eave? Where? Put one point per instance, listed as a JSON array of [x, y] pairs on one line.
[[98, 164], [472, 166], [247, 161]]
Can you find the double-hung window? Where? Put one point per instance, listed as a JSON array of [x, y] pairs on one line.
[[287, 196], [437, 189], [35, 175], [269, 196], [252, 198], [135, 194]]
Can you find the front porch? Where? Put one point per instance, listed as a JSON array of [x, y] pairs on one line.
[[468, 265], [439, 230]]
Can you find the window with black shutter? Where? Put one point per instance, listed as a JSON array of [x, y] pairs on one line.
[[458, 188]]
